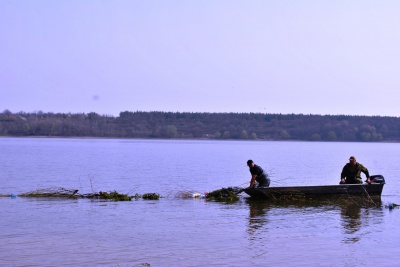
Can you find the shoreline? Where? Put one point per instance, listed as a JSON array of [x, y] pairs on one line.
[[196, 139]]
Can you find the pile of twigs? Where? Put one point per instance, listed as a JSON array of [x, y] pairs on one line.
[[52, 192], [60, 192]]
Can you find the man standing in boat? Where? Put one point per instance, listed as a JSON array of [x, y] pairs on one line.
[[351, 173], [257, 174]]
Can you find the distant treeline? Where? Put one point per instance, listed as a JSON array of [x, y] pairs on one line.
[[186, 125]]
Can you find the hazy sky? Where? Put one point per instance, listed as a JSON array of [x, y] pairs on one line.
[[319, 57]]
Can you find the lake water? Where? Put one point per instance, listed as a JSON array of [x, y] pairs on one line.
[[176, 231]]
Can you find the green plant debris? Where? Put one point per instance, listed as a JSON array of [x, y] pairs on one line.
[[151, 196], [114, 195], [59, 192], [229, 194]]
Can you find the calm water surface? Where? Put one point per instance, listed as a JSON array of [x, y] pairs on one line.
[[175, 231]]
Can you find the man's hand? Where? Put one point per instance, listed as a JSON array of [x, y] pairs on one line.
[[253, 181], [368, 180], [342, 181]]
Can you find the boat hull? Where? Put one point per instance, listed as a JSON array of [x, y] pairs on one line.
[[324, 191]]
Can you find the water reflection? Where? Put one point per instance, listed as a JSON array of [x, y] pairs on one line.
[[351, 222], [259, 212], [257, 216], [355, 216]]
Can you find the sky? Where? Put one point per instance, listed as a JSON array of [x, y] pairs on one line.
[[267, 56]]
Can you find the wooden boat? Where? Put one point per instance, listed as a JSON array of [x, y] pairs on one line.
[[373, 189]]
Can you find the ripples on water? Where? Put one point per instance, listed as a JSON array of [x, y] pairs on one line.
[[180, 231]]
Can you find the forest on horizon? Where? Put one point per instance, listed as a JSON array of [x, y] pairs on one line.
[[217, 126]]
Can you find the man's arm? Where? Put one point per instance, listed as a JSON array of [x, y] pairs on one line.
[[366, 172], [253, 180], [343, 175]]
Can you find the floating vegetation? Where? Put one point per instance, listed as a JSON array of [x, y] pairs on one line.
[[60, 192], [151, 196], [114, 195], [229, 194]]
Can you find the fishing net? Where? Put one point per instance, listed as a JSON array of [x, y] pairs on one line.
[[188, 194]]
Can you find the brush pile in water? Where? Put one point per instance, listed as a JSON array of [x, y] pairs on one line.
[[151, 196], [114, 195], [229, 194], [59, 192], [52, 192]]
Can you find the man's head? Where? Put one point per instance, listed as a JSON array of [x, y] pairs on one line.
[[353, 160], [250, 163]]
